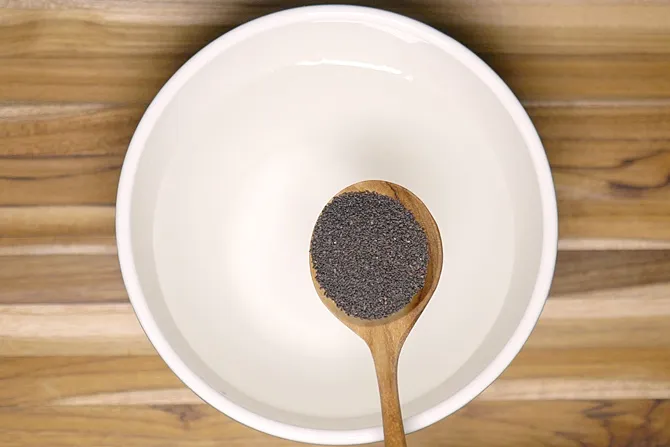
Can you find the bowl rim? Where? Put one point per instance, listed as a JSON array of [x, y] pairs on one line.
[[479, 69]]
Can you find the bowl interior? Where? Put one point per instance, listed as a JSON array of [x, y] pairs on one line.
[[237, 160]]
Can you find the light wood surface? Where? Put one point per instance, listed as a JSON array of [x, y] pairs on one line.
[[386, 337], [75, 77], [609, 162]]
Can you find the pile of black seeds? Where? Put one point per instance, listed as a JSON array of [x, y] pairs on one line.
[[369, 253]]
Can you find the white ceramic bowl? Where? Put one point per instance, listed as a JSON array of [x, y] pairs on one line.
[[230, 167]]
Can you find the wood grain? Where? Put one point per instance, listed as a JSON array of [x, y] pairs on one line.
[[66, 130], [137, 79], [59, 245], [29, 270], [536, 374], [560, 55], [51, 380], [600, 299], [561, 424], [76, 329], [586, 244], [501, 390], [586, 271], [106, 244], [587, 363], [55, 222], [59, 181], [610, 164], [75, 78], [60, 279], [123, 80], [490, 26]]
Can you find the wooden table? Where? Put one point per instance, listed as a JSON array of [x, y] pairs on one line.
[[75, 77]]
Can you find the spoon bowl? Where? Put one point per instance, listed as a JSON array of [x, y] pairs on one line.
[[385, 337]]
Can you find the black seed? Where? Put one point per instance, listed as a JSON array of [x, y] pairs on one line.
[[381, 259]]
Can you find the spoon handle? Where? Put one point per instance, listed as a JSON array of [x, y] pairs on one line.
[[386, 365]]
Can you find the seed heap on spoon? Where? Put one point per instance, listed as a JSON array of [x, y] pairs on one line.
[[376, 250], [369, 254]]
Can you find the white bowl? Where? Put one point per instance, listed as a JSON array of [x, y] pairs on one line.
[[230, 167]]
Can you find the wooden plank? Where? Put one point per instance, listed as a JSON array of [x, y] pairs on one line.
[[75, 329], [106, 245], [591, 136], [60, 279], [505, 26], [585, 271], [112, 329], [48, 380], [594, 221], [586, 244], [137, 79], [501, 390], [131, 49], [132, 79], [49, 222], [632, 123], [66, 130], [114, 31], [536, 374], [583, 363], [496, 424], [579, 77], [621, 332], [87, 271], [86, 245], [44, 225], [610, 165], [60, 181]]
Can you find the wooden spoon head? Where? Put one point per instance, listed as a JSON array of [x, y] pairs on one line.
[[398, 325]]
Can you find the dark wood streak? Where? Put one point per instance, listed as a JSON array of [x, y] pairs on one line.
[[625, 163], [643, 435], [601, 411], [60, 176], [632, 160], [601, 414], [51, 156], [584, 271], [627, 187], [185, 413], [573, 437], [394, 190]]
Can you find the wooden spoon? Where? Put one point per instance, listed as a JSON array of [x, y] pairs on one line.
[[385, 337]]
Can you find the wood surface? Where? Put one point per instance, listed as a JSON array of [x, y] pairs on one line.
[[76, 76], [386, 337]]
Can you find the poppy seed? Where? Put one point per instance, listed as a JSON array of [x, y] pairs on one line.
[[369, 254]]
